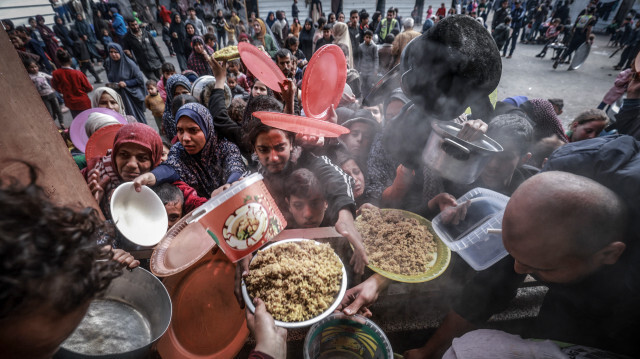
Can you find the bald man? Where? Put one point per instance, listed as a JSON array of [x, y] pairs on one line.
[[568, 232]]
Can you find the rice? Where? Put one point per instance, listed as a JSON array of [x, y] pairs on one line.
[[395, 243], [296, 280]]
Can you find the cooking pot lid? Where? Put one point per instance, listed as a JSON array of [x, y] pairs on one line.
[[299, 124], [451, 129], [323, 81], [580, 56], [207, 321], [383, 88], [101, 141], [183, 245], [261, 66], [77, 132]]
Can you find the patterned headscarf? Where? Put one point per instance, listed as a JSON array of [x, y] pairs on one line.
[[167, 117], [545, 120], [196, 61], [216, 162]]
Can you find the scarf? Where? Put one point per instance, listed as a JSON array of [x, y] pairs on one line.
[[97, 93], [123, 70], [167, 117], [341, 36], [218, 159], [262, 33], [196, 61], [545, 121]]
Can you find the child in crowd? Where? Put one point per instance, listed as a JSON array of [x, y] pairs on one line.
[[305, 200], [236, 90], [166, 38], [368, 63], [154, 102], [326, 39], [502, 33], [211, 41], [106, 38], [234, 66], [72, 84], [173, 201], [167, 71], [41, 80], [166, 147], [83, 55], [292, 44]]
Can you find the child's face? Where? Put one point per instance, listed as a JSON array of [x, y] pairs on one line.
[[307, 212], [165, 153], [105, 32], [152, 90], [326, 34], [168, 74], [367, 39], [233, 68], [232, 83], [174, 212], [33, 68]]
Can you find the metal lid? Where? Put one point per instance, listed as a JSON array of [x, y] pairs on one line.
[[450, 130]]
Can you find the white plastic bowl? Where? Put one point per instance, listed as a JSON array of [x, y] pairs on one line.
[[139, 216]]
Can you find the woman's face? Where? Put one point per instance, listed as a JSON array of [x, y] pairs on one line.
[[353, 170], [59, 21], [259, 89], [274, 150], [587, 130], [114, 54], [341, 17], [332, 18], [271, 17], [132, 160], [180, 90], [256, 27], [107, 101], [307, 26], [177, 19], [198, 47], [190, 29], [190, 135]]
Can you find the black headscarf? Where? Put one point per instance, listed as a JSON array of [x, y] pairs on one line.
[[306, 38]]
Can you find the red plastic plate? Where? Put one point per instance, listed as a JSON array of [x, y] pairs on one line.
[[101, 141], [302, 125], [323, 81], [261, 66]]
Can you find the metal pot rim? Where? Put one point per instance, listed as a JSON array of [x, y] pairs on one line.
[[437, 125]]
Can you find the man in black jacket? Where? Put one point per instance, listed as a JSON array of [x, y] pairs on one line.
[[140, 45], [500, 15]]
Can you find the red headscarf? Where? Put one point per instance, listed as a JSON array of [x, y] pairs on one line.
[[142, 135]]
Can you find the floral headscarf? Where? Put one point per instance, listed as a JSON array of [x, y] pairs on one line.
[[545, 120], [167, 117], [214, 164]]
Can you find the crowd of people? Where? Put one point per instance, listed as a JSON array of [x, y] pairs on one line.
[[569, 223]]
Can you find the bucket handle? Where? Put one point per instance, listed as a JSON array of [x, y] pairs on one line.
[[455, 150]]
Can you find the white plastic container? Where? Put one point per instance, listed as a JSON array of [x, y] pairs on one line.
[[470, 238]]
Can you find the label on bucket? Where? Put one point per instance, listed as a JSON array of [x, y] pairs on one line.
[[346, 341], [244, 222]]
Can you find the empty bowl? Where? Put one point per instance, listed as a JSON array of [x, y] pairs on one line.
[[139, 216]]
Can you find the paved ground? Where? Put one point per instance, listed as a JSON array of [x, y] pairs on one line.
[[524, 74]]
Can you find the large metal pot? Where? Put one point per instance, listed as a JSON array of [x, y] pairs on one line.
[[456, 159], [204, 86], [144, 295]]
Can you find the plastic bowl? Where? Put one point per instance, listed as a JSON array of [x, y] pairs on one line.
[[343, 288], [139, 216], [341, 336]]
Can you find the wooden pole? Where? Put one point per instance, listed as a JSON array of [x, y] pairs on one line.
[[28, 133]]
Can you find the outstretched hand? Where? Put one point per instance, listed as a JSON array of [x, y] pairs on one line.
[[359, 298], [270, 340]]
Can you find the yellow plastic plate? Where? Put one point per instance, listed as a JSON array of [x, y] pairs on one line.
[[440, 264]]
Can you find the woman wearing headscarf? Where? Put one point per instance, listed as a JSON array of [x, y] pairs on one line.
[[48, 36], [190, 32], [99, 24], [271, 18], [176, 85], [200, 58], [306, 38], [84, 30], [202, 159], [124, 72], [262, 38], [341, 36], [62, 33], [178, 35], [104, 97], [137, 148]]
